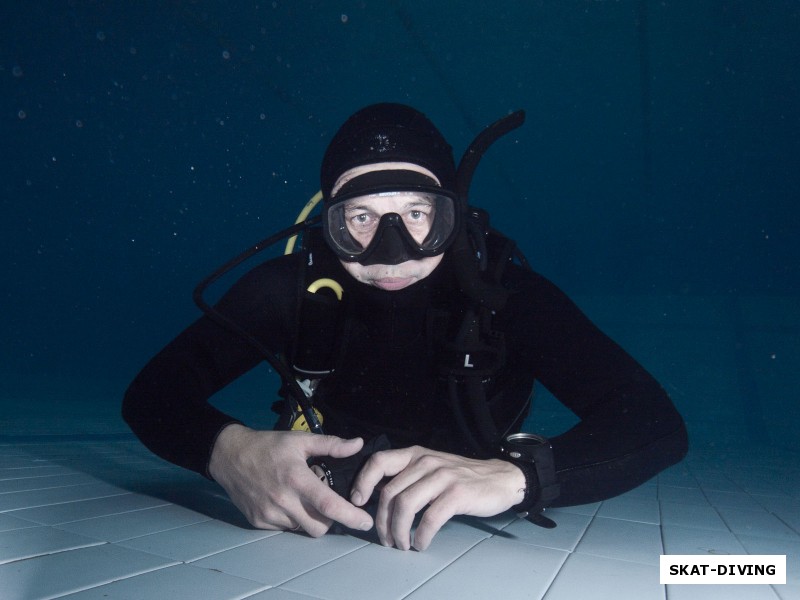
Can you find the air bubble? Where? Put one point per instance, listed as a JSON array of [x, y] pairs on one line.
[[22, 114], [345, 18], [226, 55], [101, 36]]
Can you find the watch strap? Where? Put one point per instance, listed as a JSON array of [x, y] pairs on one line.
[[541, 486]]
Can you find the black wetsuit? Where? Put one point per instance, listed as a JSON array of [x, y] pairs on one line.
[[387, 378]]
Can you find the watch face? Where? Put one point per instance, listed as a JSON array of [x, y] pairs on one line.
[[524, 445], [525, 439]]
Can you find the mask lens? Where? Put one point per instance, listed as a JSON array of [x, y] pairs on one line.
[[424, 220]]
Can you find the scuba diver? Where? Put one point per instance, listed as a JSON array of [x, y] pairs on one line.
[[408, 335]]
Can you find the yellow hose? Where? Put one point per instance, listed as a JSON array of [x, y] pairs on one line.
[[326, 282], [302, 217]]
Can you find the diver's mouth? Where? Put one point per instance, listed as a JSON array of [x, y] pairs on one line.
[[392, 283]]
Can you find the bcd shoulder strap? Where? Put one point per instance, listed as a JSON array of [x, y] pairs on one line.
[[471, 360]]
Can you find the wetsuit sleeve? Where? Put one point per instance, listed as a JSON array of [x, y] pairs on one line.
[[629, 430], [167, 405]]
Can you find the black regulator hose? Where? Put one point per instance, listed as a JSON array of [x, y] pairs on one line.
[[468, 270], [280, 367]]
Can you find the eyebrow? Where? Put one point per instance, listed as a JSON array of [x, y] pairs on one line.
[[356, 207], [418, 202]]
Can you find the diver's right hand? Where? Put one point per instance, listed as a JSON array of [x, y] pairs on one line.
[[267, 477]]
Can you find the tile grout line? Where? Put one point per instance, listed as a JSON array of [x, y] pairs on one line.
[[570, 553], [115, 514], [448, 565], [9, 511], [111, 581], [317, 566], [663, 541], [556, 574], [92, 544]]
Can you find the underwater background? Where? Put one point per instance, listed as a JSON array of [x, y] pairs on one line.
[[656, 178]]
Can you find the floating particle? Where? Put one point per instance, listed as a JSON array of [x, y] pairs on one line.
[[22, 114], [78, 123], [345, 18], [226, 54], [101, 36], [16, 71]]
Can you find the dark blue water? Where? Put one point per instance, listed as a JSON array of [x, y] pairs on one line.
[[144, 143]]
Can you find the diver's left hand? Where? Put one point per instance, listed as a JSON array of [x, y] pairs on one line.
[[447, 483]]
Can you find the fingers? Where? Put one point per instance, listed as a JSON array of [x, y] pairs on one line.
[[319, 506], [267, 477], [387, 463], [281, 506], [396, 517], [266, 474], [446, 484], [329, 445], [437, 514], [321, 503], [331, 505], [421, 484], [298, 518], [305, 503], [310, 521]]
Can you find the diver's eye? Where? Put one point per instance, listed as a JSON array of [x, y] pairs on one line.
[[417, 217], [362, 221]]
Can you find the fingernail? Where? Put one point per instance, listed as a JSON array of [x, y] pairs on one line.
[[365, 526], [356, 498]]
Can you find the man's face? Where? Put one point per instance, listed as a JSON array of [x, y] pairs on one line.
[[363, 215]]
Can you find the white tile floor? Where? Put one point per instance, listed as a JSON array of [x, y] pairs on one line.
[[104, 519]]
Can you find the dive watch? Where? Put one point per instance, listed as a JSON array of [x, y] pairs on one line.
[[533, 454]]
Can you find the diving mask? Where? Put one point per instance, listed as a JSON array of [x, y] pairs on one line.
[[390, 227], [390, 224]]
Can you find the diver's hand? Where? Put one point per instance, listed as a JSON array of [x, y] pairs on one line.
[[266, 476], [448, 484]]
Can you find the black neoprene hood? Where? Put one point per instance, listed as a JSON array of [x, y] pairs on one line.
[[388, 133]]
